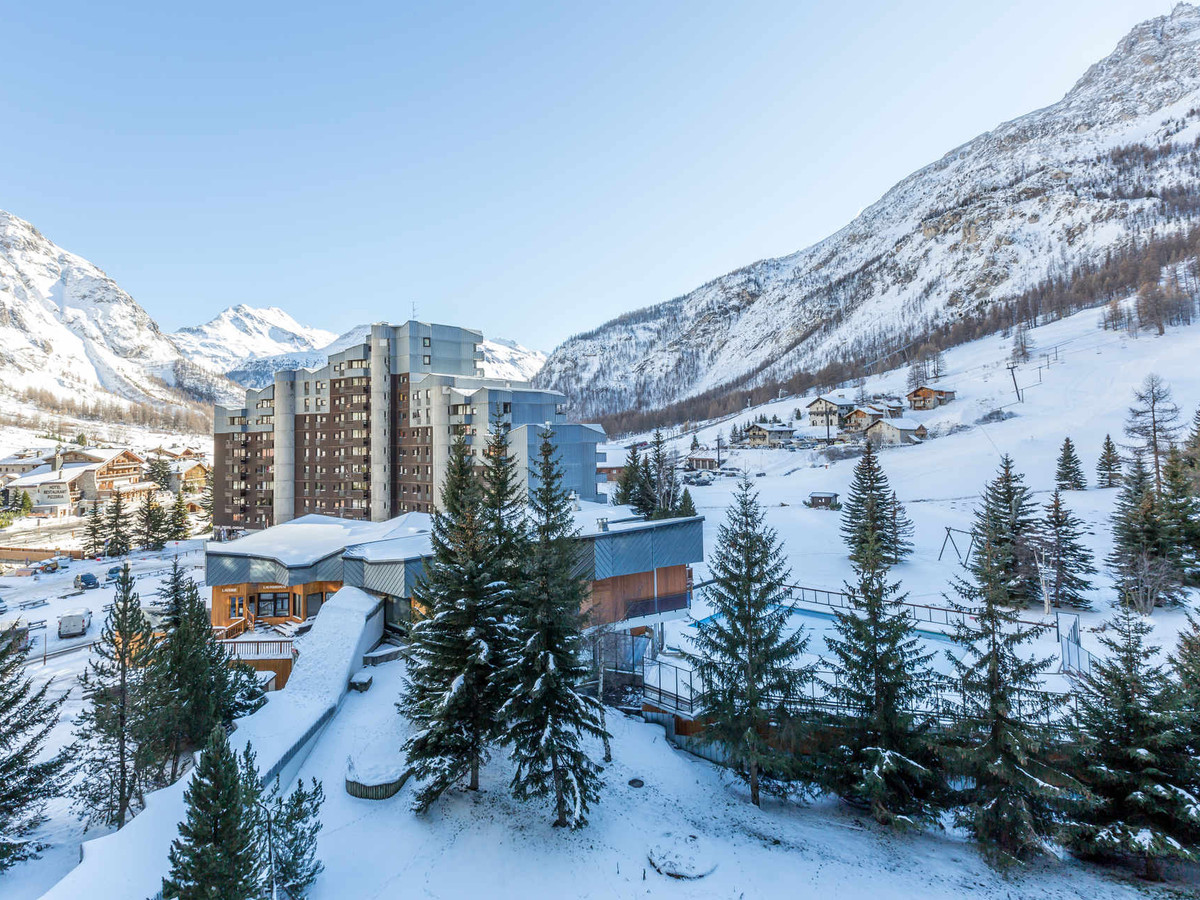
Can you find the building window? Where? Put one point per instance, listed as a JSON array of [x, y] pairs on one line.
[[425, 342], [426, 359], [236, 607]]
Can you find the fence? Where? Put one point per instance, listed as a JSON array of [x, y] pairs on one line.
[[1075, 660], [269, 649], [921, 612]]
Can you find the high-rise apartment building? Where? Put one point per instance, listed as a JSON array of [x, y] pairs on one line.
[[368, 435]]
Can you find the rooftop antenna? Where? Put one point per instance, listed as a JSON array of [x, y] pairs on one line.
[[414, 312]]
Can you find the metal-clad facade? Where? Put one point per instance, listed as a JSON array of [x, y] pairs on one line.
[[230, 569], [644, 549]]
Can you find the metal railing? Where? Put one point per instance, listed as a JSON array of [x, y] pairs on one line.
[[280, 648], [922, 612], [651, 606]]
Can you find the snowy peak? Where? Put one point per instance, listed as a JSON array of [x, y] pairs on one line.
[[1061, 187], [507, 359], [68, 329], [242, 332]]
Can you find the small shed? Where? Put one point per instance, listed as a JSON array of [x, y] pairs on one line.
[[926, 397], [823, 500], [703, 462]]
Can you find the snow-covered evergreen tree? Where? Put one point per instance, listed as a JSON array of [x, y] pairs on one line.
[[628, 479], [687, 507], [1015, 795], [504, 504], [295, 825], [1108, 469], [547, 715], [1064, 560], [119, 529], [1152, 426], [30, 772], [665, 482], [872, 514], [886, 756], [748, 659], [179, 527], [206, 500], [1133, 756], [159, 471], [219, 851], [1069, 474], [1180, 509], [455, 686], [1006, 516], [150, 532], [1141, 558], [112, 731], [94, 535]]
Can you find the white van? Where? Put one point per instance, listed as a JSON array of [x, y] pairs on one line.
[[74, 623]]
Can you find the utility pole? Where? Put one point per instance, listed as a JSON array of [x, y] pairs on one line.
[[718, 451], [270, 849], [1012, 370]]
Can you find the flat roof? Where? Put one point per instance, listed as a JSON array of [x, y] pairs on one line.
[[313, 537]]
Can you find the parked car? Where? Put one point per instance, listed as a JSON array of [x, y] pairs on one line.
[[64, 562], [74, 623], [113, 574], [47, 566], [86, 582]]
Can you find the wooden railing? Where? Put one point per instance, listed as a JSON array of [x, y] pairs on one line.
[[232, 630], [270, 649]]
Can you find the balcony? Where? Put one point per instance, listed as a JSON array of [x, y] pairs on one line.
[[655, 606]]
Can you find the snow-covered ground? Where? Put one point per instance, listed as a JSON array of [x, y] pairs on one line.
[[1079, 383]]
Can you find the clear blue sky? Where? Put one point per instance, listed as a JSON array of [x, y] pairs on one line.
[[527, 169]]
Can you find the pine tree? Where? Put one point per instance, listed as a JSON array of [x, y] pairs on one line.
[[159, 471], [1152, 425], [1141, 556], [454, 687], [26, 503], [206, 500], [1185, 669], [546, 714], [151, 523], [179, 528], [664, 481], [1003, 750], [1180, 510], [504, 505], [118, 527], [872, 513], [1069, 475], [644, 501], [295, 824], [1191, 452], [1133, 756], [112, 731], [30, 774], [1108, 469], [886, 756], [748, 659], [218, 852], [94, 536], [687, 506], [628, 479], [1063, 558], [1006, 516]]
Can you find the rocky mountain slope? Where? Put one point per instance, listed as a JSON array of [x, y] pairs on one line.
[[1113, 160], [241, 332], [501, 359], [66, 328]]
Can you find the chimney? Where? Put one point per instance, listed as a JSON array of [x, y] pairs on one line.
[[602, 524], [57, 463]]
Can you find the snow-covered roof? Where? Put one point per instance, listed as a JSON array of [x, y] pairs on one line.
[[416, 545], [619, 519], [45, 474], [898, 424], [837, 399], [180, 466], [310, 538], [772, 427], [936, 388]]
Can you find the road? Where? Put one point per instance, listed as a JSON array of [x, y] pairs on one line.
[[46, 535]]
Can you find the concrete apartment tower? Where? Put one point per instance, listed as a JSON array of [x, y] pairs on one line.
[[367, 435]]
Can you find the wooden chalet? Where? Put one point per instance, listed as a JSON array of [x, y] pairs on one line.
[[926, 397]]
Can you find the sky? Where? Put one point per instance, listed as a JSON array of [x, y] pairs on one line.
[[531, 170]]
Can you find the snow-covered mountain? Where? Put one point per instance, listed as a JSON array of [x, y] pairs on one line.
[[501, 359], [242, 332], [1115, 158], [67, 328]]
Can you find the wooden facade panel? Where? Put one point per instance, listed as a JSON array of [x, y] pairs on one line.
[[237, 601]]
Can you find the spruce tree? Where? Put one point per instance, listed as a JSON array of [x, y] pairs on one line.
[[748, 658], [1003, 750], [664, 483], [872, 514], [504, 505], [628, 479], [546, 713], [29, 774], [455, 686], [686, 505], [1181, 517], [1191, 452], [151, 523], [1006, 517], [1133, 756], [695, 443], [112, 731], [159, 471], [1108, 469], [1141, 559], [1069, 474], [219, 851], [1152, 425], [643, 499], [94, 535], [295, 824], [179, 528], [206, 500], [886, 756], [1063, 558], [119, 530], [26, 503]]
